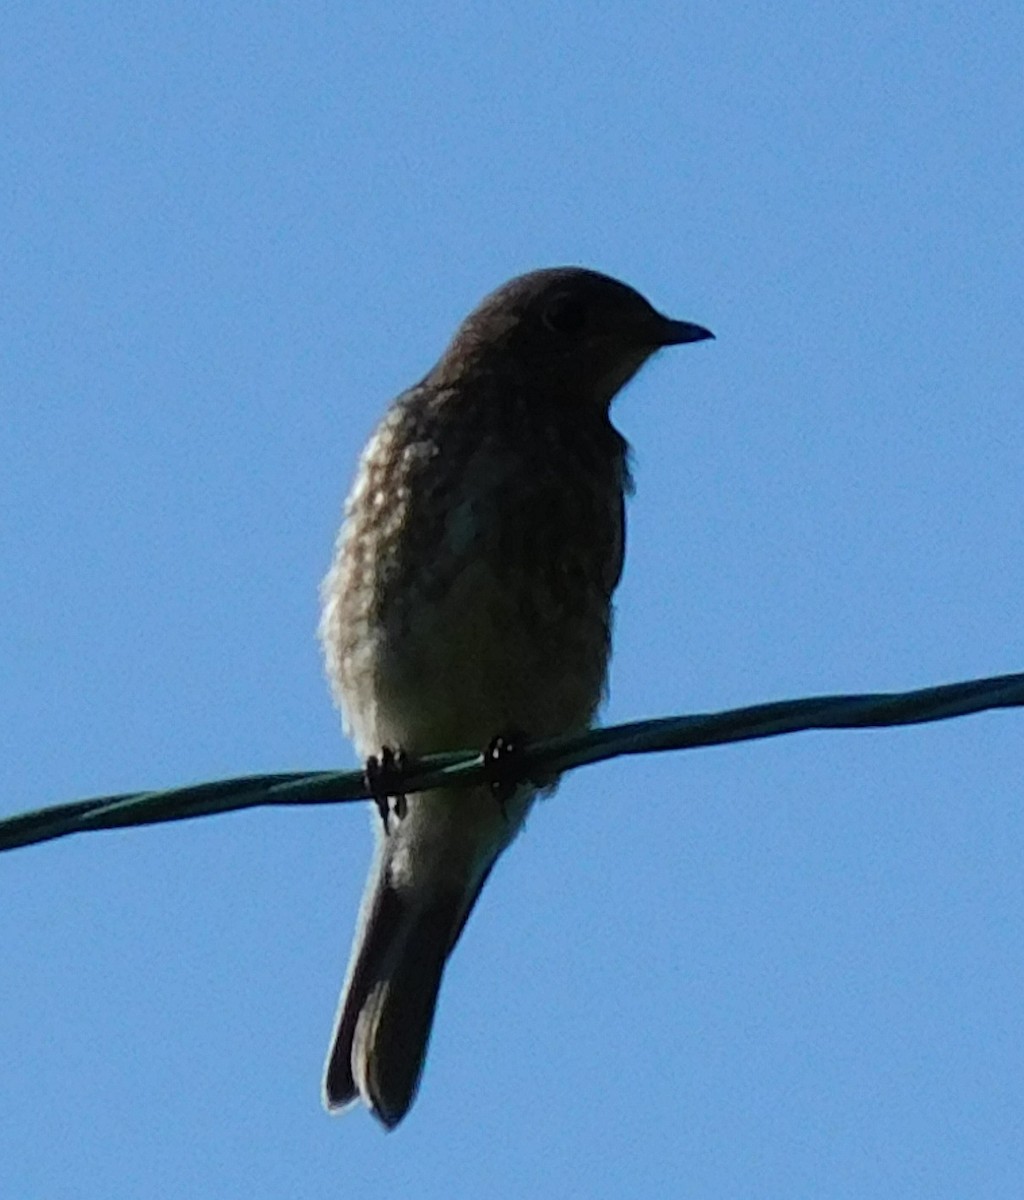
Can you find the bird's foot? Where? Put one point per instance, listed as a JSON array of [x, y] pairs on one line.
[[383, 782], [503, 762]]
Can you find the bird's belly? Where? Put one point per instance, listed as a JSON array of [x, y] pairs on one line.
[[486, 654]]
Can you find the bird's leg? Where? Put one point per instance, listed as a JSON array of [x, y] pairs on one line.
[[503, 762], [383, 776]]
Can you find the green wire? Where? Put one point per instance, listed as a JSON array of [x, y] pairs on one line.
[[539, 759]]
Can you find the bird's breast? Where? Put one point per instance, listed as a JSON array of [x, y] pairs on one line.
[[472, 595]]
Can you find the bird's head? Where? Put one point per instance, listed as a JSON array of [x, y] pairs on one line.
[[564, 331]]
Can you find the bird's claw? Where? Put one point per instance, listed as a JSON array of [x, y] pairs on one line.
[[383, 782], [503, 761]]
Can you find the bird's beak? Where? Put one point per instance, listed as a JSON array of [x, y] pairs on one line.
[[677, 333]]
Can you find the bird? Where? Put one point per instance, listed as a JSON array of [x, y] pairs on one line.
[[469, 604]]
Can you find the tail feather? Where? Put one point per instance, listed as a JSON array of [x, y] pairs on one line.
[[395, 1022], [379, 929], [387, 1008]]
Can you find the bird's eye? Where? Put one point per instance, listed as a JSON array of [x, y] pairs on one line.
[[565, 316]]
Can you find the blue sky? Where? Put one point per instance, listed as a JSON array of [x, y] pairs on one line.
[[231, 234]]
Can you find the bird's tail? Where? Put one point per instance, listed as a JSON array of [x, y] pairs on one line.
[[387, 1005]]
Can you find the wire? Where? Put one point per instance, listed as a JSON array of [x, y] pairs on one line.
[[538, 760]]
